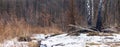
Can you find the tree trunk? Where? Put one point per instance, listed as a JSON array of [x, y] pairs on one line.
[[72, 17], [99, 17], [89, 17]]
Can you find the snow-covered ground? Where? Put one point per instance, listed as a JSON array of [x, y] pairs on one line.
[[64, 40]]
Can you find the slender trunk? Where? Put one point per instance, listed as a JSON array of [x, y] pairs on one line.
[[72, 17], [92, 10], [99, 17], [89, 17]]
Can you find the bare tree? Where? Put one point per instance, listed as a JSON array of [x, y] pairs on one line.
[[72, 17], [90, 12], [99, 17], [89, 17], [92, 1]]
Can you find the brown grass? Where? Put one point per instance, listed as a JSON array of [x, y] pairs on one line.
[[92, 43], [99, 34], [92, 33], [33, 44], [16, 28]]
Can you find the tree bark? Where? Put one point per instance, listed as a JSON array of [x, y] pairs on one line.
[[72, 17], [89, 16], [99, 17]]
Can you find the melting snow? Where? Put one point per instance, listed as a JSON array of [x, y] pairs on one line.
[[64, 40]]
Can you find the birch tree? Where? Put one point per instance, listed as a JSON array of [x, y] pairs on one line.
[[89, 18], [90, 12]]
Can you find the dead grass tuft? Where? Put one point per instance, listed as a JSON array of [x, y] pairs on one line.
[[92, 43], [33, 44], [93, 33]]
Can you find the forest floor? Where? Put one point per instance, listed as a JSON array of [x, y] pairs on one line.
[[65, 40]]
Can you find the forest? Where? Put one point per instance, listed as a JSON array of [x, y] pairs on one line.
[[26, 17]]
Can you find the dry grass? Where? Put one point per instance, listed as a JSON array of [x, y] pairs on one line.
[[92, 33], [99, 34], [16, 28], [116, 45], [33, 44], [92, 43]]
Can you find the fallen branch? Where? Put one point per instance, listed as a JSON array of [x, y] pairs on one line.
[[81, 28]]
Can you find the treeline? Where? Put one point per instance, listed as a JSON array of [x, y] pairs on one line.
[[59, 12]]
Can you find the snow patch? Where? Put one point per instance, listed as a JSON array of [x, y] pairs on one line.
[[63, 40]]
